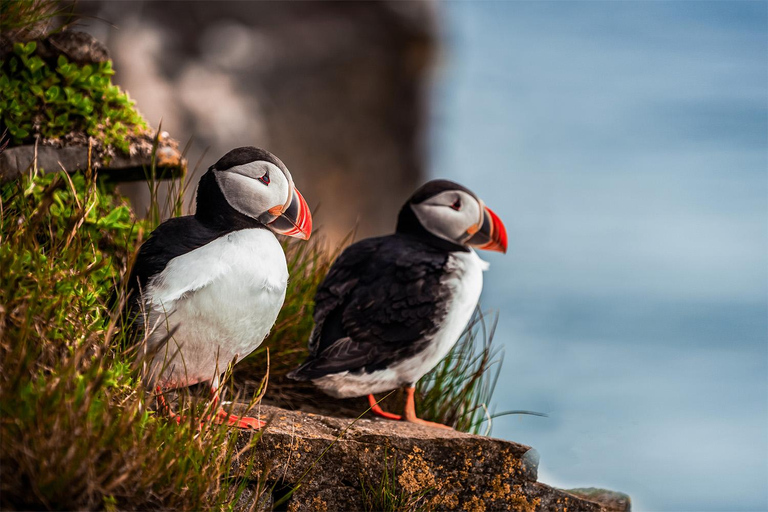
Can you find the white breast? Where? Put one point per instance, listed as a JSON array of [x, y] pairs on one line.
[[219, 302], [464, 276]]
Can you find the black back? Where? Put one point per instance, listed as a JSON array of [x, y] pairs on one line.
[[381, 302]]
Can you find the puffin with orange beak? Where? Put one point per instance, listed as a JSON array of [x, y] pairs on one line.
[[392, 307], [206, 288]]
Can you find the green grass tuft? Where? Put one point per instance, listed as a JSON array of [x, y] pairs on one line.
[[75, 429], [24, 20], [458, 391]]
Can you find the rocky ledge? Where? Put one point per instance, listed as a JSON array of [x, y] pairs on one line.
[[346, 464], [75, 155]]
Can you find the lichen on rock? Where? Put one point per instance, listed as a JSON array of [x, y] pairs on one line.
[[328, 461]]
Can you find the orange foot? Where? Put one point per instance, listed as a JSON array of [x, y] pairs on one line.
[[375, 409], [410, 411], [419, 421], [244, 422]]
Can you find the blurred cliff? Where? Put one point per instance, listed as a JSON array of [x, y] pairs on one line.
[[338, 90]]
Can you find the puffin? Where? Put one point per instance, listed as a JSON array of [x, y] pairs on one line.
[[205, 289], [392, 307]]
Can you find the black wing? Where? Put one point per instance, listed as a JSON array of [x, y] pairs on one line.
[[172, 238], [380, 302]]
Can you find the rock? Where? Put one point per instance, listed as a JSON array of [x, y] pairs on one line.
[[611, 501], [347, 464], [78, 47], [118, 167]]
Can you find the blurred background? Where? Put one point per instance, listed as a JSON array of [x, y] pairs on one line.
[[625, 146]]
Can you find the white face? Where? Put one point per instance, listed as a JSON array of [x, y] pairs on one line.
[[452, 215], [256, 188]]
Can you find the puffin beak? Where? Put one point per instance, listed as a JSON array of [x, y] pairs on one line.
[[293, 218], [492, 236]]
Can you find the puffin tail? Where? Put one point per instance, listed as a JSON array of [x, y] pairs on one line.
[[297, 374]]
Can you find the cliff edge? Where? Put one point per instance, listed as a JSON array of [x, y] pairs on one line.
[[323, 463]]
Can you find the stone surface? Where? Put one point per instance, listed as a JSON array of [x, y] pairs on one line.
[[79, 47], [118, 167], [333, 459], [611, 501]]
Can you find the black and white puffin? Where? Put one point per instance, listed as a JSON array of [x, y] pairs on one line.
[[206, 288], [392, 307]]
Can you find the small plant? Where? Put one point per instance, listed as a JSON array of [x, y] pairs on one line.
[[387, 495], [459, 390], [40, 98]]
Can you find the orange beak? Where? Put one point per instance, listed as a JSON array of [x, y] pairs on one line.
[[294, 219], [492, 235]]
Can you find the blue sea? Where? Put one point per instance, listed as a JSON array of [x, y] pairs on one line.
[[625, 146]]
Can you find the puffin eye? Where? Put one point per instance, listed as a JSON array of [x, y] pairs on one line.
[[456, 205], [265, 179]]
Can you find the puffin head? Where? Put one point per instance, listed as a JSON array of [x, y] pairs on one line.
[[453, 216], [251, 185]]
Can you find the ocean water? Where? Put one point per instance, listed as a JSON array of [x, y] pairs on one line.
[[625, 146]]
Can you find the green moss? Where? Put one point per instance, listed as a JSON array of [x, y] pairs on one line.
[[52, 99]]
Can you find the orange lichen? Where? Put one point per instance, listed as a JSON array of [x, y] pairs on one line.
[[475, 504], [416, 474], [500, 490], [520, 502], [443, 502], [319, 505]]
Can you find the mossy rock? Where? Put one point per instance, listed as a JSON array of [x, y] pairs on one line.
[[59, 109]]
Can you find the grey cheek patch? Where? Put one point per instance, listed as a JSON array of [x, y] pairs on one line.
[[238, 192]]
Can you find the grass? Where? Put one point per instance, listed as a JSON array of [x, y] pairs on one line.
[[76, 431], [24, 20], [459, 389]]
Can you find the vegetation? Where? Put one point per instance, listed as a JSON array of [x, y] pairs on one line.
[[77, 429], [24, 20], [76, 432], [51, 99], [459, 390]]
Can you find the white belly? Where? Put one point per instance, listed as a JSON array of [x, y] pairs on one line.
[[465, 277], [218, 303]]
